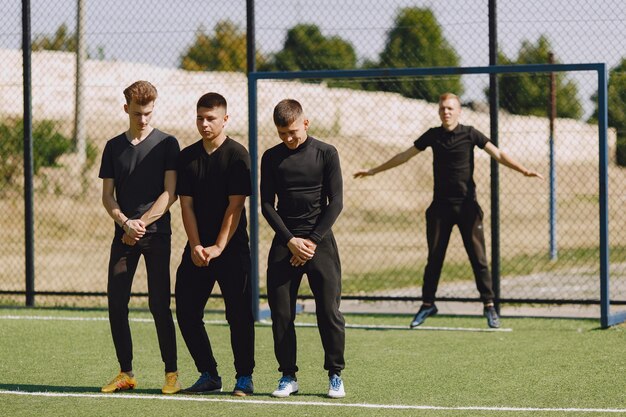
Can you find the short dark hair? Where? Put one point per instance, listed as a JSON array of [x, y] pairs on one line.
[[212, 100], [286, 112], [141, 92]]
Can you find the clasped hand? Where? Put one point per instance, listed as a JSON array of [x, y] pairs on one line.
[[201, 256], [302, 250], [134, 230]]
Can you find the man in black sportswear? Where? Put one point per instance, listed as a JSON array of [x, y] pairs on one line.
[[301, 198], [454, 201], [213, 183], [138, 174]]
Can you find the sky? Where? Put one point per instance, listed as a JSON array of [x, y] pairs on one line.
[[158, 31]]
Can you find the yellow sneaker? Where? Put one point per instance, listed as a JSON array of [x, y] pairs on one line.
[[121, 382], [172, 384]]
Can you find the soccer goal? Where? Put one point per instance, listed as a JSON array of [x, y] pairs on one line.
[[380, 232]]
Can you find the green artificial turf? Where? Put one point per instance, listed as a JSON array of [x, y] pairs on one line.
[[534, 367]]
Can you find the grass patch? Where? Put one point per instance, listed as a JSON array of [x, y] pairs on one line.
[[542, 363], [523, 264]]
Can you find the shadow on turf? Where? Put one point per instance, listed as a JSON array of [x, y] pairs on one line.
[[47, 388], [65, 388], [153, 391]]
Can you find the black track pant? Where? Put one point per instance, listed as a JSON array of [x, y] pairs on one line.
[[440, 219], [155, 249], [193, 287], [283, 282]]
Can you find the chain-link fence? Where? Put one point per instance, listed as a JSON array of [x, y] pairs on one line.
[[189, 48]]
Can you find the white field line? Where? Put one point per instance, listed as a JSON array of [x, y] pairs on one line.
[[264, 323], [65, 318], [308, 403]]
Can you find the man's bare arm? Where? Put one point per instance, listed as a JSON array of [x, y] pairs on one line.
[[110, 203], [134, 228], [230, 222], [506, 160], [190, 224], [396, 160], [164, 201]]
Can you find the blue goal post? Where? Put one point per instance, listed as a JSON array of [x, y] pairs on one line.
[[606, 317]]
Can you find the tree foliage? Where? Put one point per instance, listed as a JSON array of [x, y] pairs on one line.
[[616, 108], [525, 93], [62, 40], [415, 41], [306, 49], [224, 50], [48, 145]]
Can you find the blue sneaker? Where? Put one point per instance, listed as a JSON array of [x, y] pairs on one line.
[[423, 313], [287, 385], [205, 384], [335, 387], [244, 386]]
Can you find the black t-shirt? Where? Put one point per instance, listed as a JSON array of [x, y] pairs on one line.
[[210, 180], [453, 161], [309, 187], [139, 172]]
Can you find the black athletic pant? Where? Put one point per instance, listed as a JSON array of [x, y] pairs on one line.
[[283, 282], [193, 287], [440, 218], [155, 249]]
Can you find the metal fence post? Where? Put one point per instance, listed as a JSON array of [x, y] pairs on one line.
[[494, 106], [28, 159]]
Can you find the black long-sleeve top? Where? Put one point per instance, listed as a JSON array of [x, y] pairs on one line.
[[308, 184]]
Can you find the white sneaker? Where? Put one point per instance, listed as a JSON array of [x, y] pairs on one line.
[[287, 385], [335, 387]]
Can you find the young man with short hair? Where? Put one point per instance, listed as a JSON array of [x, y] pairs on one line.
[[304, 175], [213, 183], [454, 201], [138, 172]]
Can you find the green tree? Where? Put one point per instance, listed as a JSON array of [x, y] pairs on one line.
[[224, 50], [62, 40], [526, 93], [415, 41], [48, 145], [306, 48], [616, 108]]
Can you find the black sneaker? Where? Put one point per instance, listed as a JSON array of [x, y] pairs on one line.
[[423, 313], [492, 317], [205, 384]]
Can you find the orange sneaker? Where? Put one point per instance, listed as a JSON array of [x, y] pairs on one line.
[[172, 384], [121, 382]]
